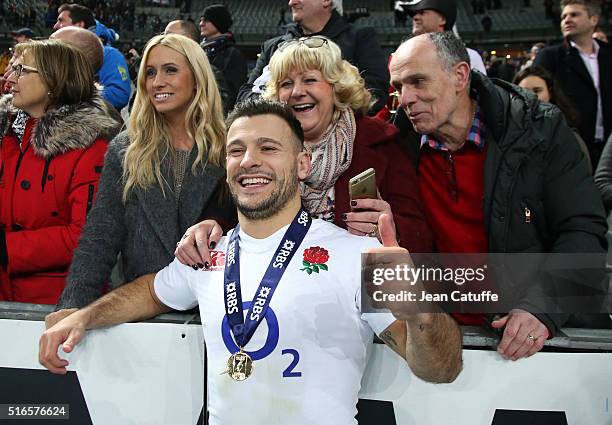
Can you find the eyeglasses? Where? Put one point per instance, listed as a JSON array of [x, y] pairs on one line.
[[21, 69], [313, 42]]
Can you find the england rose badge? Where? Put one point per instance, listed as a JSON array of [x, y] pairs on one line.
[[314, 260]]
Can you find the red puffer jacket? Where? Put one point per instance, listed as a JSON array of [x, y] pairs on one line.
[[47, 185]]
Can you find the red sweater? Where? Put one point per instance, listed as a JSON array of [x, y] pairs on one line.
[[452, 189]]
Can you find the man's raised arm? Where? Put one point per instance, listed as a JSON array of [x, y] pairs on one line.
[[429, 342]]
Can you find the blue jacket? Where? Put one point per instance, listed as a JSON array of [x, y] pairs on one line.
[[115, 78]]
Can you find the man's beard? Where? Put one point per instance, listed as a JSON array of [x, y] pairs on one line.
[[278, 199]]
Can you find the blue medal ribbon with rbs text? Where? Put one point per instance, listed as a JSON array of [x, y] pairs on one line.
[[242, 329]]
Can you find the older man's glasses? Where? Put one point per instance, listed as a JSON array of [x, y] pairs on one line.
[[313, 42], [21, 69]]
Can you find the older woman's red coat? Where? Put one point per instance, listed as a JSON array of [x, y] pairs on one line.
[[47, 185]]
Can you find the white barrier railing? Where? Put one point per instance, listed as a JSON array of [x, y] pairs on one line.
[[153, 373]]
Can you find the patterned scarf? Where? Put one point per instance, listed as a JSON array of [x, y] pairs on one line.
[[331, 156], [19, 124], [21, 120]]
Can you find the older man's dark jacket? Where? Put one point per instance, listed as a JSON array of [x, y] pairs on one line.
[[359, 46], [533, 162]]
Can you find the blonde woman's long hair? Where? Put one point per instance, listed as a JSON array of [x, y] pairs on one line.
[[349, 86], [148, 131]]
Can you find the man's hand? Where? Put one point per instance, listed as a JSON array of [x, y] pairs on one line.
[[52, 318], [389, 256], [194, 247], [524, 334], [67, 333]]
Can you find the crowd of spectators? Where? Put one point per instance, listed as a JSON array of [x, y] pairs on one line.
[[14, 16]]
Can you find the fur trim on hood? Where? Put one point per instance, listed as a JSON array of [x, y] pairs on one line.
[[66, 128]]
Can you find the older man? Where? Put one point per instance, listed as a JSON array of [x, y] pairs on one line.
[[499, 172], [321, 17], [84, 40]]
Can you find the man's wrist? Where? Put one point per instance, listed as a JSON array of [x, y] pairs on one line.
[[420, 320]]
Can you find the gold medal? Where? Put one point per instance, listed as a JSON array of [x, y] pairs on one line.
[[240, 366]]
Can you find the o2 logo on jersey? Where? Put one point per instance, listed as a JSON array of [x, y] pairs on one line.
[[269, 346]]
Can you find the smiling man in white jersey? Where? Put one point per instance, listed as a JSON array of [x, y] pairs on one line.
[[305, 362]]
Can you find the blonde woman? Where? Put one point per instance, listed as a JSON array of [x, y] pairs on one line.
[[161, 176], [54, 128], [329, 98]]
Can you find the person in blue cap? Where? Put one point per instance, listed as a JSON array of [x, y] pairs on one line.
[[22, 35]]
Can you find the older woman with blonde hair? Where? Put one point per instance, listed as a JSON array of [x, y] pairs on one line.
[[161, 176], [55, 129], [329, 98]]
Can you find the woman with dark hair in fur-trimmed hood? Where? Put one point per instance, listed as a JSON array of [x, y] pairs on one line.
[[55, 130]]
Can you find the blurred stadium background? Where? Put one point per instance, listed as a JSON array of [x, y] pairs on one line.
[[515, 25]]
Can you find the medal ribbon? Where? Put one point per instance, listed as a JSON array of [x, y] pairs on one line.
[[242, 329]]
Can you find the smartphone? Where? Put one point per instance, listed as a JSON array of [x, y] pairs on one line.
[[363, 185]]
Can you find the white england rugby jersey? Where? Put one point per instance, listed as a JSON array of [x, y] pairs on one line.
[[310, 351]]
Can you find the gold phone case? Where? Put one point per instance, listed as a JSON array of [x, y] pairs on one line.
[[363, 185]]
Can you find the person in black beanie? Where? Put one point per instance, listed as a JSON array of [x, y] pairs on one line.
[[220, 46]]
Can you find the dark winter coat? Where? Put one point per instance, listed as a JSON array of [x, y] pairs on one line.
[[223, 54], [46, 189], [566, 65]]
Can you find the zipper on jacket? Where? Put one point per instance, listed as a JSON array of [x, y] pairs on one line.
[[45, 174], [21, 153], [511, 190], [527, 215], [90, 195]]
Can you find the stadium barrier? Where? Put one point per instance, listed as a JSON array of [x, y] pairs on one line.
[[153, 373]]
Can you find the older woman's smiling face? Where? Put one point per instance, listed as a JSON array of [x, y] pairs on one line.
[[312, 99]]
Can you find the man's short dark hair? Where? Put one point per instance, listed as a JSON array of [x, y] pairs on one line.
[[593, 7], [79, 13], [450, 49], [259, 106]]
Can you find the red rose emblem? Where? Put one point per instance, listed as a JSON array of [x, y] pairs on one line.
[[218, 258], [316, 255], [314, 259]]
